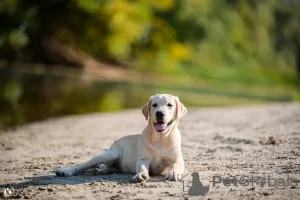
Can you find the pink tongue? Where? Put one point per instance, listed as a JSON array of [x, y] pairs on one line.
[[160, 127]]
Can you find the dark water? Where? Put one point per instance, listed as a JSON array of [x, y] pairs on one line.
[[26, 97]]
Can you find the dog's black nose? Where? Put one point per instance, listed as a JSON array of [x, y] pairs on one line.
[[159, 115]]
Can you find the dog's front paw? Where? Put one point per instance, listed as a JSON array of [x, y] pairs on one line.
[[172, 176], [63, 172], [140, 177]]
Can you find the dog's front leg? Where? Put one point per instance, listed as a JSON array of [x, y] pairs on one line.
[[142, 170], [176, 170]]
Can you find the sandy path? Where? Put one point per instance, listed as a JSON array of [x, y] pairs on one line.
[[224, 142]]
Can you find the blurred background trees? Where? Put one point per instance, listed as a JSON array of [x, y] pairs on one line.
[[154, 35], [219, 45]]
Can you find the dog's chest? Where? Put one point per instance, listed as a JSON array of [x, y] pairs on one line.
[[156, 166], [159, 150], [159, 159]]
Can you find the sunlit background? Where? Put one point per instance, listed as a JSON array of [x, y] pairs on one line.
[[62, 57]]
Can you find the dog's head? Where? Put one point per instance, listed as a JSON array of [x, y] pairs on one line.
[[163, 112]]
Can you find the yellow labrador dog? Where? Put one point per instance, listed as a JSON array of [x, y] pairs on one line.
[[157, 151]]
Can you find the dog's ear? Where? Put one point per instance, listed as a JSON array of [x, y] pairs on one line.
[[180, 109], [146, 109]]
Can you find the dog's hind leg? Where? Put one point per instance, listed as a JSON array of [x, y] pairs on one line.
[[108, 158], [104, 169]]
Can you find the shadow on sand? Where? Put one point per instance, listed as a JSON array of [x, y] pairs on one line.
[[74, 180]]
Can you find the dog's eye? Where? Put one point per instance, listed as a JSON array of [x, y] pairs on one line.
[[154, 105], [170, 105]]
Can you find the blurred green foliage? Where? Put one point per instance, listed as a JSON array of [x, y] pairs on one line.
[[209, 52], [166, 36]]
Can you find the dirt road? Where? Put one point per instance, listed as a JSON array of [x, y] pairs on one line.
[[217, 143]]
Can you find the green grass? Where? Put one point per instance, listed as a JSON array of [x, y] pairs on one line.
[[244, 82]]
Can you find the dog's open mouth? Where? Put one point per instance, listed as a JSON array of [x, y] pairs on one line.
[[160, 126]]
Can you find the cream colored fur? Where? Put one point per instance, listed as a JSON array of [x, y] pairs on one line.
[[152, 152]]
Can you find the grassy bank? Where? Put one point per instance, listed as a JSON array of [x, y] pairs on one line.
[[36, 92]]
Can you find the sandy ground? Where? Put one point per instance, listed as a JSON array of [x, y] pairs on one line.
[[224, 142]]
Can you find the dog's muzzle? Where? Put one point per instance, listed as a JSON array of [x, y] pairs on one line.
[[160, 126]]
